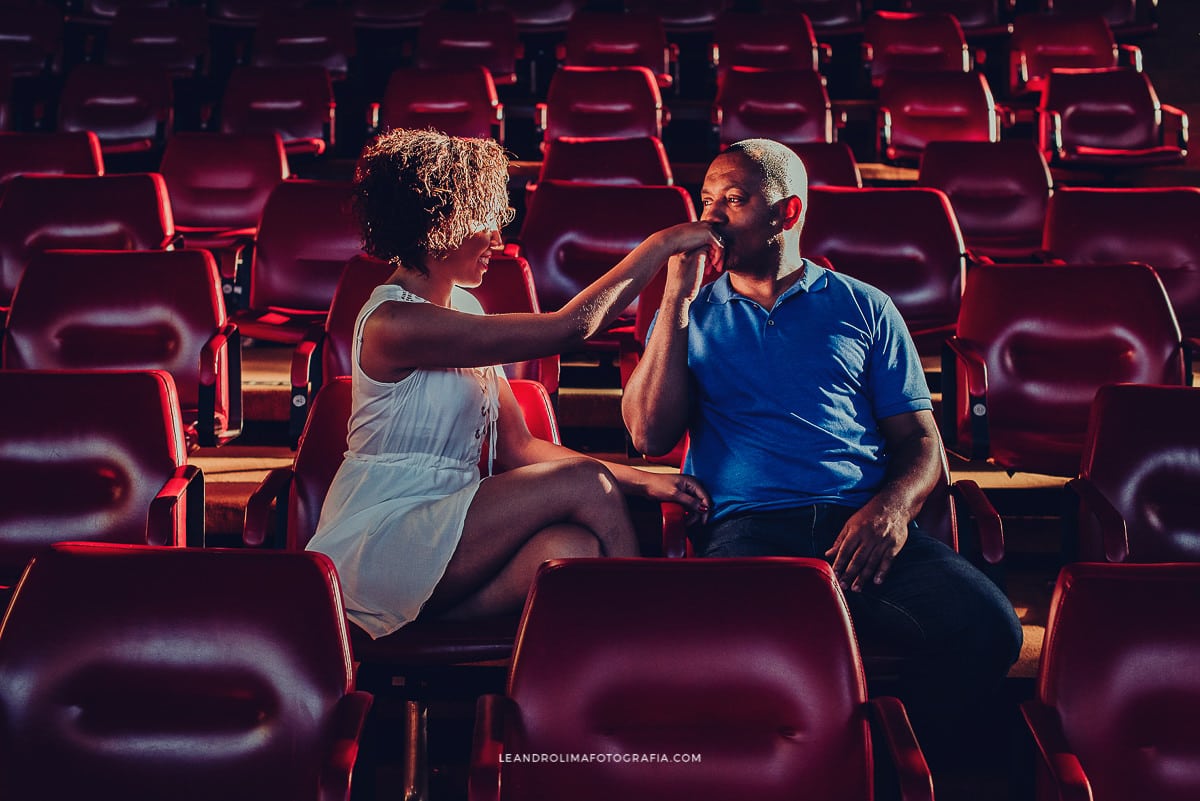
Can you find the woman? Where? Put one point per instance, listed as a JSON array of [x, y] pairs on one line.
[[407, 520]]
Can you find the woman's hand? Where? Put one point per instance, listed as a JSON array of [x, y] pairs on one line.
[[683, 489], [692, 237]]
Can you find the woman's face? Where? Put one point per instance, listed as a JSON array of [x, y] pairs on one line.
[[466, 264]]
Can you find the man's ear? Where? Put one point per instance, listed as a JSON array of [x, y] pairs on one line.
[[790, 210]]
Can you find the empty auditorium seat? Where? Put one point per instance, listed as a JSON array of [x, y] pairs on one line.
[[110, 212], [575, 232], [1156, 226], [537, 17], [454, 39], [601, 101], [388, 15], [1140, 476], [460, 101], [49, 153], [128, 108], [978, 18], [1032, 346], [1108, 118], [218, 184], [829, 163], [311, 37], [140, 310], [630, 161], [295, 102], [788, 105], [998, 190], [1043, 42], [31, 44], [750, 665], [245, 13], [682, 16], [1115, 686], [916, 108], [903, 241], [1127, 18], [629, 39], [305, 236], [173, 38], [112, 469], [842, 18], [928, 42], [177, 673], [766, 40]]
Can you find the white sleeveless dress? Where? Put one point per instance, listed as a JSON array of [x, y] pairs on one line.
[[395, 510]]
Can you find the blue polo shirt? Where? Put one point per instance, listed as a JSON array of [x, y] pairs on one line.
[[785, 401]]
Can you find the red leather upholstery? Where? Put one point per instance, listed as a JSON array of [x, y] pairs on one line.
[[977, 17], [1155, 226], [602, 101], [50, 153], [178, 674], [219, 184], [306, 234], [295, 102], [751, 665], [389, 15], [765, 40], [460, 101], [454, 39], [1042, 42], [903, 241], [924, 42], [32, 44], [1116, 685], [917, 108], [998, 190], [1033, 345], [172, 38], [682, 16], [628, 161], [828, 17], [1127, 18], [1108, 118], [829, 164], [144, 310], [628, 39], [92, 456], [128, 108], [541, 16], [573, 233], [112, 212], [788, 105], [1140, 476], [245, 13], [314, 37]]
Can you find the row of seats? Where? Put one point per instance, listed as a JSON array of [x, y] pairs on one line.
[[431, 642]]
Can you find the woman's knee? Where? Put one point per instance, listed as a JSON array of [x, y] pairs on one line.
[[589, 482], [563, 542]]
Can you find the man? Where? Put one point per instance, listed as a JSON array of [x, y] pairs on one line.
[[811, 425]]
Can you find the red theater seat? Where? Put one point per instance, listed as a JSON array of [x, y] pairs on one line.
[[919, 42], [601, 101], [764, 40], [312, 37], [172, 38], [32, 41], [1044, 42], [128, 108], [788, 105], [917, 108], [460, 101], [629, 39], [841, 18], [176, 673], [49, 153], [454, 39], [295, 102]]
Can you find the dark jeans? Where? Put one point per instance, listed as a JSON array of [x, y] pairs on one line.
[[956, 631]]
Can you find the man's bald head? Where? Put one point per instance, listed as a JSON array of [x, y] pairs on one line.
[[782, 170]]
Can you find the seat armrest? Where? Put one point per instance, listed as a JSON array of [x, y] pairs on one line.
[[273, 489], [962, 353], [164, 518], [540, 120], [1062, 765], [674, 531], [1114, 532], [1177, 119], [487, 745], [883, 124], [228, 341], [1018, 65], [498, 124], [891, 720], [348, 718], [1191, 348], [306, 378], [1050, 134], [1130, 55], [236, 288], [987, 519], [824, 55], [373, 110]]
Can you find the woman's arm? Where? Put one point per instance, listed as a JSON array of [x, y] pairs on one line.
[[400, 337]]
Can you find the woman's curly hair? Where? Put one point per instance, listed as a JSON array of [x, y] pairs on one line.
[[419, 194]]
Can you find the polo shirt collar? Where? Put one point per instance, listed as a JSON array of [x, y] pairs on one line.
[[814, 280]]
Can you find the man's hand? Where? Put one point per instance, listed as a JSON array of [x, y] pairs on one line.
[[866, 546]]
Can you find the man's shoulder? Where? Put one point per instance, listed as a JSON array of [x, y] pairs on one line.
[[856, 287]]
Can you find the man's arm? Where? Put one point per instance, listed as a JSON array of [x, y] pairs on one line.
[[868, 543], [654, 403]]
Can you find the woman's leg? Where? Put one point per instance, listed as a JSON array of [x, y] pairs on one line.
[[576, 501]]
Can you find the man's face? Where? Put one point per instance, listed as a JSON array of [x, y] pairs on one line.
[[734, 202]]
